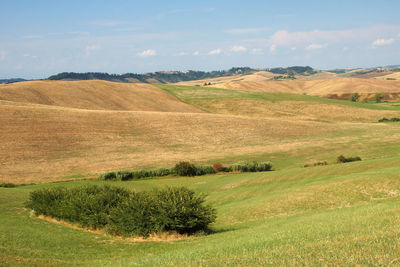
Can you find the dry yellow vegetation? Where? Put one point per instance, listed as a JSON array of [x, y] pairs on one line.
[[56, 131], [296, 110], [334, 88], [97, 95], [46, 143], [395, 75], [257, 76]]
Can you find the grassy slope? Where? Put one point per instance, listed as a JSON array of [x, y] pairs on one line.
[[336, 214]]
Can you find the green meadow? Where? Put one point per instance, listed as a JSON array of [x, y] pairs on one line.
[[339, 214]]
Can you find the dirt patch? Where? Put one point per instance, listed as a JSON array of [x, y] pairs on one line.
[[162, 237]]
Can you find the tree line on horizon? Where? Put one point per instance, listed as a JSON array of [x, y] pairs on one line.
[[175, 76]]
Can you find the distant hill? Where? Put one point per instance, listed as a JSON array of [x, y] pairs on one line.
[[153, 77], [14, 80], [177, 76]]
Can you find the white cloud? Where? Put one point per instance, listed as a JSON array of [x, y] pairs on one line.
[[147, 53], [3, 55], [245, 30], [238, 48], [215, 52], [181, 54], [380, 42], [272, 48], [345, 48], [315, 47], [90, 48], [31, 37], [286, 38], [293, 48], [398, 35], [29, 55], [196, 53], [257, 51]]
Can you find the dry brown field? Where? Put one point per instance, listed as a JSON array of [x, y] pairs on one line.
[[55, 131]]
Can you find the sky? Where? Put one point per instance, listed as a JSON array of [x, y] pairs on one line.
[[45, 37]]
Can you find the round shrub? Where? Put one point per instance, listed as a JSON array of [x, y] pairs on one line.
[[109, 176], [185, 168]]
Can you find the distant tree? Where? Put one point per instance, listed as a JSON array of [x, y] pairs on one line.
[[355, 97], [378, 97]]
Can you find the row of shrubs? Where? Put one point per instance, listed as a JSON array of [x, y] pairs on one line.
[[187, 169], [340, 159], [122, 212], [389, 120], [8, 185]]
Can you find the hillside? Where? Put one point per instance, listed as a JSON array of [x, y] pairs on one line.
[[48, 143], [96, 95], [333, 88], [70, 135]]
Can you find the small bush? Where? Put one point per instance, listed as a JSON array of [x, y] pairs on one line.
[[252, 167], [124, 175], [355, 97], [109, 176], [218, 167], [8, 185], [122, 212], [389, 120], [203, 170], [185, 168], [343, 159]]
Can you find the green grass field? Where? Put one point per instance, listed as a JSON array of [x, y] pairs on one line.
[[340, 214]]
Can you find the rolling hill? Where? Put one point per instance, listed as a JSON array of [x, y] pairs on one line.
[[94, 95], [340, 88], [59, 130]]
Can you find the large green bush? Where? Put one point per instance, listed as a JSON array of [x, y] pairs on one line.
[[123, 212]]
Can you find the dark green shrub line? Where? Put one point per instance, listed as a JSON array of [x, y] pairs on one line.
[[8, 185], [389, 120], [184, 168], [343, 159], [122, 212]]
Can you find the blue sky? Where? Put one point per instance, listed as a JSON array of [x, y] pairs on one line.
[[40, 38]]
